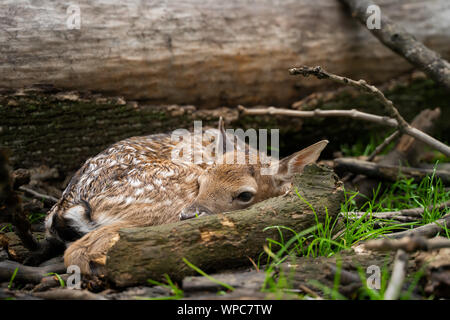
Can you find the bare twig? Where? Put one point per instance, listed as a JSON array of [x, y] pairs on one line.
[[408, 244], [387, 172], [355, 114], [399, 122], [38, 195], [320, 73], [411, 213], [398, 276], [383, 145], [428, 231], [403, 43]]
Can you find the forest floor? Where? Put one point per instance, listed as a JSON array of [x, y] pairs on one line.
[[327, 261]]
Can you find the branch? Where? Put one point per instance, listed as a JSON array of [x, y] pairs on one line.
[[408, 244], [387, 172], [414, 213], [383, 145], [38, 195], [428, 231], [403, 43], [398, 276], [355, 114], [396, 119]]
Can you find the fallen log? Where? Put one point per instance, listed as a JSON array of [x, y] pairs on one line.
[[225, 240], [237, 51], [402, 42], [387, 172]]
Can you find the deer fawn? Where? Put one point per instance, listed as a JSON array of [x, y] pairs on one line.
[[136, 182]]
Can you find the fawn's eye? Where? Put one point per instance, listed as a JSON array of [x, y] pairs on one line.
[[245, 196]]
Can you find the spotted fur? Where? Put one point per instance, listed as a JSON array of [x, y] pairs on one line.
[[135, 182]]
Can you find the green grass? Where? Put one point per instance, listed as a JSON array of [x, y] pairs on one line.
[[321, 240], [11, 281], [177, 293], [201, 272], [36, 217], [62, 284]]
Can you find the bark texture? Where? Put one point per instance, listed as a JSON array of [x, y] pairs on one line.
[[208, 53], [404, 43], [221, 241]]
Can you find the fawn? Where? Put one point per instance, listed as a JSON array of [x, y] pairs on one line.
[[136, 182]]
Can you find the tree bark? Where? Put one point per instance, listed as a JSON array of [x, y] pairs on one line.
[[208, 53], [225, 240], [404, 43]]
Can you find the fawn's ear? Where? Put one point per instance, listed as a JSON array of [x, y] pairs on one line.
[[224, 139], [297, 161]]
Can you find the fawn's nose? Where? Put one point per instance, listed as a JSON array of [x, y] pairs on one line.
[[194, 211]]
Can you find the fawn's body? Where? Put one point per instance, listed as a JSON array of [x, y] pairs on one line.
[[136, 182]]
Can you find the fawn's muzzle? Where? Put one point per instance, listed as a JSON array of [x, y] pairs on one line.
[[194, 211]]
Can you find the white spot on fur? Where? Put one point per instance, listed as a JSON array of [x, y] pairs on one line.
[[135, 183]]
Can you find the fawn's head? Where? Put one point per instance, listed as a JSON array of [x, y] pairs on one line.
[[227, 187]]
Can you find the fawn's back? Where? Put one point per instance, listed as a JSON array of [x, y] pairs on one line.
[[138, 181]]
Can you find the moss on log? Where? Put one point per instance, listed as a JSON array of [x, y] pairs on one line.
[[224, 240]]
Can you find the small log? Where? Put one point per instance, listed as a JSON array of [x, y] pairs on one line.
[[224, 240], [387, 172]]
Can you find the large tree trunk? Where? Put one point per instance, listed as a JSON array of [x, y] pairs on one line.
[[208, 53], [222, 241]]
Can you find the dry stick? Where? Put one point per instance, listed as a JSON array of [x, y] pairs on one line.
[[428, 231], [38, 195], [403, 43], [408, 213], [387, 172], [398, 276], [396, 119], [355, 114], [414, 213], [383, 145], [408, 244]]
